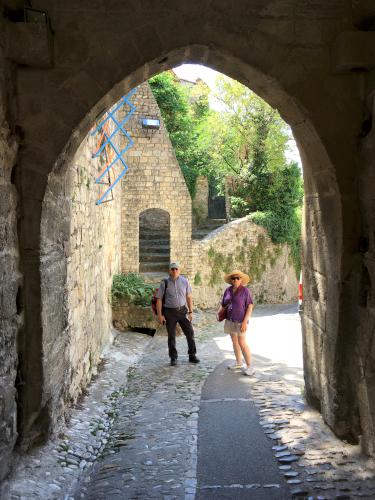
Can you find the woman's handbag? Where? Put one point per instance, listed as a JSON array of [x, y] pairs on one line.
[[222, 314]]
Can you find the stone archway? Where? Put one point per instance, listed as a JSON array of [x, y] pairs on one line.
[[154, 241], [292, 74], [321, 204]]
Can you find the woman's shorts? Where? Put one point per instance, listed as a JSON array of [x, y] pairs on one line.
[[233, 328]]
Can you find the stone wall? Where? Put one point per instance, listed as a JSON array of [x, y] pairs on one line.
[[242, 245], [80, 254], [364, 345], [200, 201], [10, 311], [154, 180], [95, 258]]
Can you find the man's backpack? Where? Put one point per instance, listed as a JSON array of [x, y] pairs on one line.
[[154, 299]]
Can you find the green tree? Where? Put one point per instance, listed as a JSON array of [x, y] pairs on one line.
[[182, 111], [248, 140], [246, 136]]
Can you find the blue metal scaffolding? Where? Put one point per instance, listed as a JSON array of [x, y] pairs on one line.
[[107, 146]]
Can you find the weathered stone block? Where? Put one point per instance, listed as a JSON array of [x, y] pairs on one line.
[[127, 316], [8, 287], [29, 44], [353, 51]]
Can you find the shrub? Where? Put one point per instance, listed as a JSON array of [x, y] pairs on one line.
[[132, 287]]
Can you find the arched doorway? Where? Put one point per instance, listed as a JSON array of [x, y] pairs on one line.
[[154, 241]]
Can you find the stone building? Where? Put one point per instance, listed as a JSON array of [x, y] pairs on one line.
[[154, 185], [313, 61]]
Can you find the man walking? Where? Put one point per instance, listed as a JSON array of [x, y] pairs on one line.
[[174, 302]]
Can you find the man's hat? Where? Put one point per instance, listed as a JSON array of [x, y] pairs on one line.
[[174, 265]]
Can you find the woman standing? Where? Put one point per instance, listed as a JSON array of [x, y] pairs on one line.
[[239, 306]]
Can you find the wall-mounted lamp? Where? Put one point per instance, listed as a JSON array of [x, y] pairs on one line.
[[35, 16], [150, 123]]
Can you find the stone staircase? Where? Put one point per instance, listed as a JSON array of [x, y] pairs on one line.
[[154, 248], [207, 227], [153, 251]]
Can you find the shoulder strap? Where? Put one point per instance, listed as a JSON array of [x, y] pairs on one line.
[[230, 298], [165, 289]]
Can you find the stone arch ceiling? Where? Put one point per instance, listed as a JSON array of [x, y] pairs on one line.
[[280, 49], [99, 44]]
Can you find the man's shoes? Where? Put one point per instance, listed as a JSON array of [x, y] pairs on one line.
[[173, 362], [193, 359]]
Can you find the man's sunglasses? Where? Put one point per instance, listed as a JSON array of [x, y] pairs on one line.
[[235, 277], [174, 268]]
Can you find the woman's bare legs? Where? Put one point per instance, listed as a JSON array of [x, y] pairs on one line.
[[245, 349], [237, 349]]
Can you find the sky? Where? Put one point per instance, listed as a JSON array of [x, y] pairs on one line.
[[193, 71]]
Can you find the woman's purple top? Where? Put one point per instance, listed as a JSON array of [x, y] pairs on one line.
[[240, 301]]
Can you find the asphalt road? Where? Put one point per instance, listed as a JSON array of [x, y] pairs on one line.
[[235, 458]]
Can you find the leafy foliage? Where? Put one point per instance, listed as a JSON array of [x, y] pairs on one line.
[[283, 227], [132, 287], [248, 140], [245, 139], [182, 110]]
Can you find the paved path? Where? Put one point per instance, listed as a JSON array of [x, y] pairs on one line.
[[151, 452], [156, 432], [235, 459]]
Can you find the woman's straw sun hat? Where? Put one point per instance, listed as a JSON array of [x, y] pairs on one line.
[[237, 272]]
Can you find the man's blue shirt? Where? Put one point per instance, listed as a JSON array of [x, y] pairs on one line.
[[177, 290]]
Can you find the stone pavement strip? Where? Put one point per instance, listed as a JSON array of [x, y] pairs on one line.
[[235, 459], [139, 440]]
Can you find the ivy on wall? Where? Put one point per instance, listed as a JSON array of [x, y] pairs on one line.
[[198, 279], [252, 258]]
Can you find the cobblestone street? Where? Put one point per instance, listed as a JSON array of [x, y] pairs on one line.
[[136, 436]]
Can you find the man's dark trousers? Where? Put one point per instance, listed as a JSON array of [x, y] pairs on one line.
[[172, 317]]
